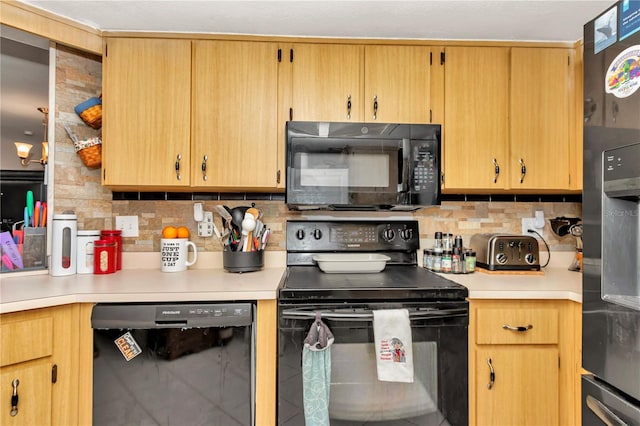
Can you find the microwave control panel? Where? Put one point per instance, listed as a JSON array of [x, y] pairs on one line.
[[425, 166]]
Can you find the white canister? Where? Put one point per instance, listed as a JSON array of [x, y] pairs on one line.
[[63, 244], [85, 250]]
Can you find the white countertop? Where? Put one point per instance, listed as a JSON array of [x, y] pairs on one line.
[[209, 282]]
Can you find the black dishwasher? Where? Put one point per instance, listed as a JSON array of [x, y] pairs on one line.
[[174, 364]]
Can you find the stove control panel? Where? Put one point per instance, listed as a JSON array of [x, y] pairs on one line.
[[362, 235]]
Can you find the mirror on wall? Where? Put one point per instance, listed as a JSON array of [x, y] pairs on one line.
[[24, 84]]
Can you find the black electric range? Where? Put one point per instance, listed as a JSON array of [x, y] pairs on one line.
[[401, 279]]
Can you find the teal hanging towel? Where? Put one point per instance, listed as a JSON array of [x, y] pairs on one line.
[[316, 373]]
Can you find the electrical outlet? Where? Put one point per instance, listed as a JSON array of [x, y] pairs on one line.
[[128, 225], [529, 223], [205, 228]]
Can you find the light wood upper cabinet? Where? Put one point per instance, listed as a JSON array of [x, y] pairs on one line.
[[235, 127], [508, 119], [147, 112], [40, 349], [476, 108], [371, 83], [327, 82], [397, 81], [541, 98]]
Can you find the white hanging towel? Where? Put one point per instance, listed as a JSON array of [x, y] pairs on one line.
[[394, 355]]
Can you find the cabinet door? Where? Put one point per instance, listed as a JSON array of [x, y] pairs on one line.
[[34, 394], [327, 78], [397, 84], [235, 126], [541, 88], [525, 388], [475, 139], [146, 106]]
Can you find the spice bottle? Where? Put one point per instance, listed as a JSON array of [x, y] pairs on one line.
[[470, 261], [104, 257], [427, 259], [456, 260], [436, 263], [446, 261]]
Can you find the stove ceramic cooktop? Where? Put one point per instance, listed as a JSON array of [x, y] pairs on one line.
[[395, 282]]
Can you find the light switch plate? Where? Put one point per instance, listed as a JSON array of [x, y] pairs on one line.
[[128, 225]]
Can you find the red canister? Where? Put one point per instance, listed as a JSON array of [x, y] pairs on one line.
[[114, 235], [104, 257]]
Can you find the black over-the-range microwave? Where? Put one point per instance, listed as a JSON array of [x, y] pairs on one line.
[[362, 166]]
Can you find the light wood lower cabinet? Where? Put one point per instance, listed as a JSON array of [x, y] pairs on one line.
[[39, 350], [524, 362]]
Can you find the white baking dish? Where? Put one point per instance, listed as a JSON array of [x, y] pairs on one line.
[[351, 263]]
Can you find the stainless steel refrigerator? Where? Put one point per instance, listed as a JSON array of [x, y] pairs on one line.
[[611, 217]]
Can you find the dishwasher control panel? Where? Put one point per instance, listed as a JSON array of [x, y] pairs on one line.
[[171, 315]]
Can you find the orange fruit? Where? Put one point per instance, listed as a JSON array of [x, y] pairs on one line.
[[183, 232], [169, 232]]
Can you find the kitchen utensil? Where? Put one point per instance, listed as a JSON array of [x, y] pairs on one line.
[[237, 215], [248, 226], [223, 211], [351, 262]]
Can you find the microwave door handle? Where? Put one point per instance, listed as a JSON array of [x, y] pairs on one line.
[[403, 166]]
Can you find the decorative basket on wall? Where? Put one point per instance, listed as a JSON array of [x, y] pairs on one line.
[[90, 111], [89, 150]]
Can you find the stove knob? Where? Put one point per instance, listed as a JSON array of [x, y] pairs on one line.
[[388, 234], [300, 234], [406, 234], [317, 234]]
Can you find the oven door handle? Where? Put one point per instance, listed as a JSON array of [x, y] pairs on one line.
[[367, 315]]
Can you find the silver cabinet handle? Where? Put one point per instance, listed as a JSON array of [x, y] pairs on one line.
[[496, 170], [518, 328], [492, 374], [178, 158], [349, 107], [523, 170], [14, 398], [375, 107], [607, 416], [204, 168]]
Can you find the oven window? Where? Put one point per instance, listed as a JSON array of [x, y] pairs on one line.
[[357, 395]]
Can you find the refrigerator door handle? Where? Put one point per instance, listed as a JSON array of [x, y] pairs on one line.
[[607, 416]]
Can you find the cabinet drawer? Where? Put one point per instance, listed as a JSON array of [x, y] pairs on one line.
[[533, 326], [26, 340]]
